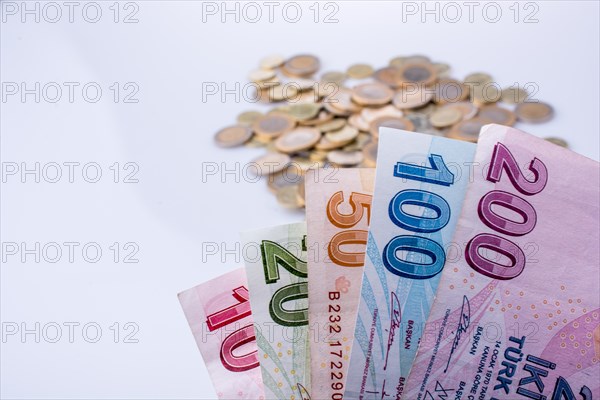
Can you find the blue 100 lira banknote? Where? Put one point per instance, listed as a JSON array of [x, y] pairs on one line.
[[419, 189]]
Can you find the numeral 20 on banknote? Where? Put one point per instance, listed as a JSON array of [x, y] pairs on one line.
[[275, 256]]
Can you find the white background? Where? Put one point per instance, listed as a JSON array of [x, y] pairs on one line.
[[171, 212]]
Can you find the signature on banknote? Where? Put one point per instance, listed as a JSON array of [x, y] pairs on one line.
[[395, 315], [463, 324]]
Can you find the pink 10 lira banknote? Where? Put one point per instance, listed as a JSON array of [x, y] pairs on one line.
[[517, 310], [218, 312], [338, 208]]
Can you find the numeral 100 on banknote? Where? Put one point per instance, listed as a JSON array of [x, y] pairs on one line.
[[437, 174]]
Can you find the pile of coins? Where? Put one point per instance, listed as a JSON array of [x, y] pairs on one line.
[[335, 119]]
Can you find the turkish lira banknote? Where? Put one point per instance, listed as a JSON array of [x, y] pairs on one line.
[[338, 208], [277, 276], [517, 311], [419, 189], [218, 312]]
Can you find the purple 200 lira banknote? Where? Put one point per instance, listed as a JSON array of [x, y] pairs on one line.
[[517, 309]]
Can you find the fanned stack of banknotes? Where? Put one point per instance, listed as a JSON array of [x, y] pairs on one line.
[[451, 271]]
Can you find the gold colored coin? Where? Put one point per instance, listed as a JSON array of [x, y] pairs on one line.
[[280, 110], [498, 115], [318, 155], [320, 119], [514, 95], [370, 154], [326, 144], [255, 143], [371, 114], [271, 62], [390, 76], [265, 85], [305, 111], [304, 164], [362, 139], [485, 93], [305, 97], [273, 125], [359, 71], [357, 121], [232, 136], [332, 125], [449, 91], [301, 65], [288, 197], [417, 59], [467, 109], [408, 98], [427, 109], [420, 121], [372, 94], [390, 122], [333, 77], [558, 141], [468, 130], [344, 135], [272, 163], [287, 177], [398, 61], [329, 107], [444, 117], [480, 78], [248, 117], [534, 113], [283, 92], [259, 75], [298, 139], [417, 74], [303, 84], [345, 158], [342, 101]]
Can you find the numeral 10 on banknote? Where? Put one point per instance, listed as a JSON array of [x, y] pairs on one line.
[[503, 160], [227, 316], [437, 174], [275, 256]]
